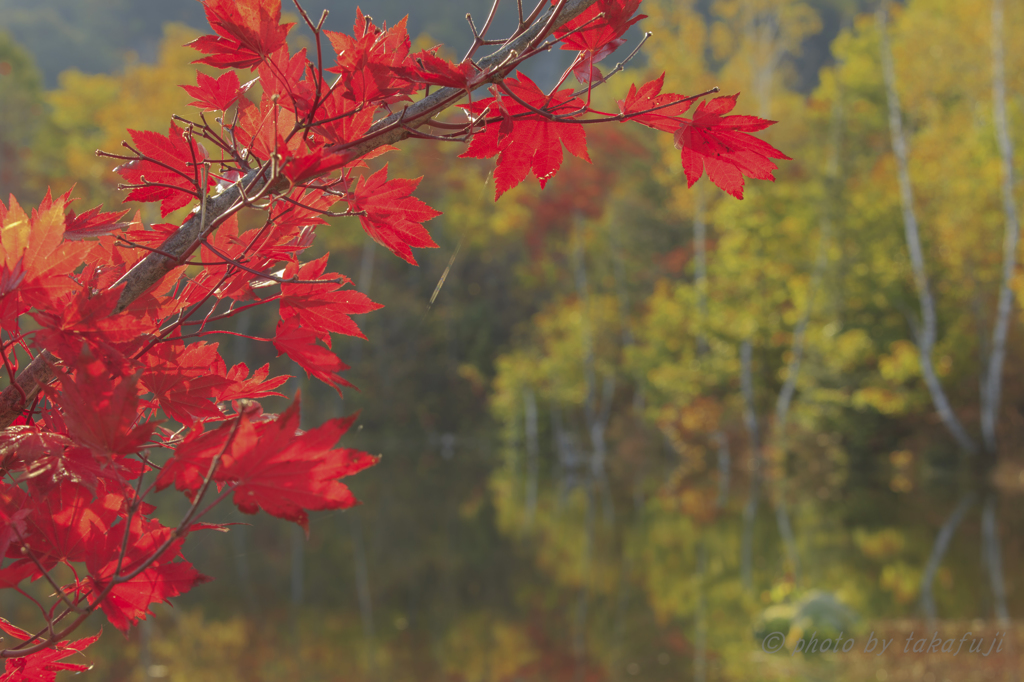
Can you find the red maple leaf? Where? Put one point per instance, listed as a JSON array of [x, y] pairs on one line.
[[249, 30], [12, 528], [262, 129], [42, 666], [290, 78], [256, 386], [299, 169], [129, 601], [64, 521], [286, 472], [93, 223], [300, 345], [597, 33], [433, 70], [720, 144], [394, 218], [532, 142], [100, 409], [272, 465], [667, 108], [15, 573], [323, 308], [216, 94], [185, 379], [36, 253], [367, 59], [173, 166], [47, 459]]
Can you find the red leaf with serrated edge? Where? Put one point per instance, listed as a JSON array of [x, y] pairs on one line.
[[65, 521], [129, 601], [34, 250], [263, 130], [290, 78], [192, 459], [286, 472], [47, 458], [394, 218], [367, 59], [585, 69], [323, 308], [272, 465], [668, 107], [43, 666], [176, 187], [153, 236], [254, 387], [534, 143], [300, 345], [720, 144], [101, 410], [598, 33], [299, 169], [15, 573], [249, 30], [185, 379], [12, 528], [216, 94], [426, 67], [93, 223], [14, 631]]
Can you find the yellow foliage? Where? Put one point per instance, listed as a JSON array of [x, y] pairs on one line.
[[90, 112], [880, 545], [479, 648], [200, 651], [901, 364], [903, 580]]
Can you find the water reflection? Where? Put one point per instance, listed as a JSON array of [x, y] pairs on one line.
[[467, 563]]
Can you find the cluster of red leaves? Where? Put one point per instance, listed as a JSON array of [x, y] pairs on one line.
[[720, 144], [138, 400]]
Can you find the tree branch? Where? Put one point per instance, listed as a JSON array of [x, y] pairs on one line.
[[207, 216]]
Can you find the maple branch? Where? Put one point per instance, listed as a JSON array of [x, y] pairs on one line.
[[321, 211], [146, 183], [620, 66], [46, 574], [228, 260], [218, 331], [215, 210], [181, 529], [117, 579], [135, 245], [318, 76], [206, 132], [139, 156], [478, 37], [231, 312], [387, 131], [11, 373]]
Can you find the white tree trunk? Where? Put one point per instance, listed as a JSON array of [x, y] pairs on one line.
[[925, 331], [991, 393]]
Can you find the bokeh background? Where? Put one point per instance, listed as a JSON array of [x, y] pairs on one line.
[[641, 426]]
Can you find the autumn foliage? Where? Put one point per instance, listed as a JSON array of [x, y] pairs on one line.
[[114, 392]]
